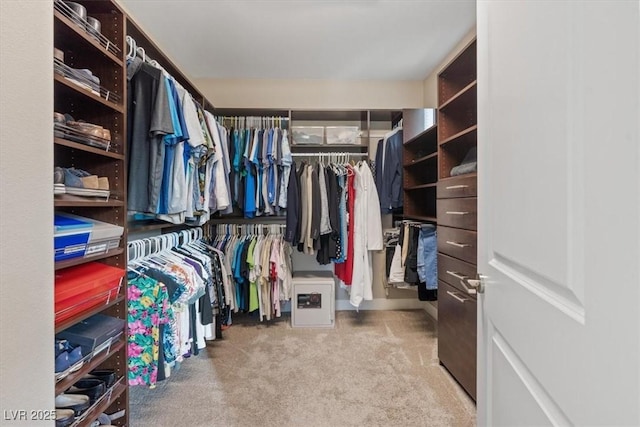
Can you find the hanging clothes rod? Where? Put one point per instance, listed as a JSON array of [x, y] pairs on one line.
[[142, 248], [329, 154]]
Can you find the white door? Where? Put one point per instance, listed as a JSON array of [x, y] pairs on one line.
[[559, 212]]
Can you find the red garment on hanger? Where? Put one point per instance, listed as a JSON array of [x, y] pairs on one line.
[[344, 271]]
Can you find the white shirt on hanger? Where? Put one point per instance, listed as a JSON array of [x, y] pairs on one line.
[[367, 234]]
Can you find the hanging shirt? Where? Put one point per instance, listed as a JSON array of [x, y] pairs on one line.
[[286, 162], [367, 234], [148, 308], [344, 271], [250, 185], [149, 119]]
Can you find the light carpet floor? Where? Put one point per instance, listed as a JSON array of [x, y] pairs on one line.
[[376, 368]]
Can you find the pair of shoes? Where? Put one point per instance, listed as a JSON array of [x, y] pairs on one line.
[[108, 376], [105, 420], [90, 129], [78, 178], [65, 417], [92, 387], [78, 403], [67, 357]]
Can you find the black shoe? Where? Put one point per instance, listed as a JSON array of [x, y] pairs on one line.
[[64, 417], [106, 375], [92, 387]]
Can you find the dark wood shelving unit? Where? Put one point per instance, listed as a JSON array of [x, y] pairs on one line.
[[105, 58], [457, 218], [420, 166]]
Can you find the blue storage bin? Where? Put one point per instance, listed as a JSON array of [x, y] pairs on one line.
[[70, 237]]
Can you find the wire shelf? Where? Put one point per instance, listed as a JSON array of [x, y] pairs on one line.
[[70, 14], [81, 79]]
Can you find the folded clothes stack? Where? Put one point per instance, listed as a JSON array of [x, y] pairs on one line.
[[65, 126], [79, 183]]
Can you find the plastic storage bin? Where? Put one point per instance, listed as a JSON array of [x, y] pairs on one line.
[[93, 332], [81, 288], [313, 303], [307, 135], [70, 236], [347, 135], [104, 236]]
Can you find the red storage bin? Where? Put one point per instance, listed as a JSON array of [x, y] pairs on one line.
[[84, 287]]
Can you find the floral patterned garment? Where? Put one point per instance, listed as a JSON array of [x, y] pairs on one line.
[[149, 307]]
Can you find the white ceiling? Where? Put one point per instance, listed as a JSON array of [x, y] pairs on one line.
[[306, 39]]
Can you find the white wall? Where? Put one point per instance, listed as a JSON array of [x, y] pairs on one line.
[[312, 94], [430, 84], [26, 209]]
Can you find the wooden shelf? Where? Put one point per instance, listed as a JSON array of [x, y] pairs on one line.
[[237, 219], [67, 85], [102, 404], [421, 218], [92, 364], [430, 132], [461, 97], [87, 148], [83, 260], [420, 160], [85, 314], [458, 176], [329, 147], [139, 226], [421, 186], [329, 115], [469, 133], [78, 39], [68, 200]]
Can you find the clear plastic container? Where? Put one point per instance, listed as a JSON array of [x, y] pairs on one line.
[[305, 135], [344, 135]]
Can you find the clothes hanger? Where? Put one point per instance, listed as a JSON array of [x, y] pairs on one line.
[[144, 54], [131, 43]]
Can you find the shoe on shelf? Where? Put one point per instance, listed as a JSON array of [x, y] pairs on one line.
[[92, 387], [76, 402], [59, 118], [76, 359], [62, 362], [106, 375], [67, 357], [80, 179], [90, 129], [103, 183], [64, 417], [58, 175]]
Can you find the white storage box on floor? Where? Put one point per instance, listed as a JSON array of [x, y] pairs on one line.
[[314, 302]]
